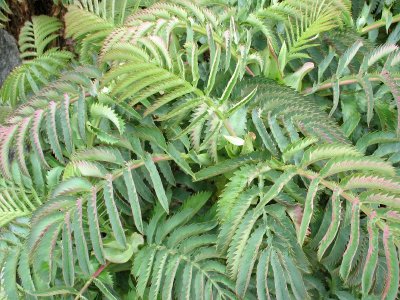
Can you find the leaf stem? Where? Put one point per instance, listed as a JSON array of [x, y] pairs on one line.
[[344, 81], [328, 85], [89, 282], [276, 59], [378, 24], [134, 165], [229, 128]]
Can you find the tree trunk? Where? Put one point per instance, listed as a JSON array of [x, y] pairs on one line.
[[22, 10]]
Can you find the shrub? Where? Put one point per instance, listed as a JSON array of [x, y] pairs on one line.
[[203, 149]]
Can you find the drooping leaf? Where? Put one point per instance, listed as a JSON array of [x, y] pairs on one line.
[[156, 181], [308, 210], [112, 212]]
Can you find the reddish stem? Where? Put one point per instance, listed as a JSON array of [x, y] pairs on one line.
[[93, 277]]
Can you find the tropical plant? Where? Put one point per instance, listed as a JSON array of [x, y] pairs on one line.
[[4, 10], [203, 149]]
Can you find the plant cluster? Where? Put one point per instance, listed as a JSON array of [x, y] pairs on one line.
[[203, 149]]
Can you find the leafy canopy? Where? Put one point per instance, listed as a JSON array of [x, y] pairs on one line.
[[203, 149]]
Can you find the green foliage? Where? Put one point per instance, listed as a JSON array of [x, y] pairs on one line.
[[203, 149], [40, 64], [4, 10]]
